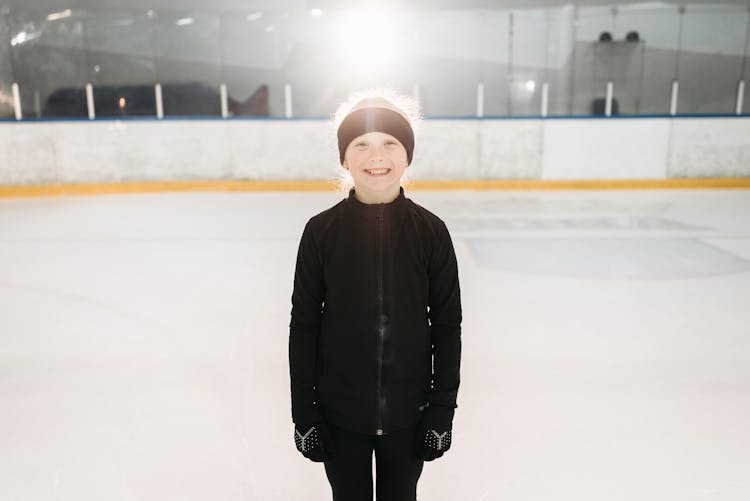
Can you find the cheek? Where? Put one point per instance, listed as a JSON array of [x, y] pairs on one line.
[[353, 157], [399, 158], [349, 156]]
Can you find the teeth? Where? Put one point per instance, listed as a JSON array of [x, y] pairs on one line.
[[377, 171]]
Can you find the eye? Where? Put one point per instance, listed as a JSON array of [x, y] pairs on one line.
[[391, 143], [360, 144]]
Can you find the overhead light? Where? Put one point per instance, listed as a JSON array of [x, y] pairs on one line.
[[530, 85], [368, 38], [655, 5], [254, 16], [316, 12], [270, 28], [59, 15], [184, 21]]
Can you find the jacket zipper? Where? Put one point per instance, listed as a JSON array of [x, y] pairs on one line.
[[381, 327]]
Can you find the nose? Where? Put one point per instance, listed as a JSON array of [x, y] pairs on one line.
[[377, 155]]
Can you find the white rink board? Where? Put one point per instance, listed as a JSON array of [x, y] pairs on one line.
[[145, 150], [605, 149], [710, 148]]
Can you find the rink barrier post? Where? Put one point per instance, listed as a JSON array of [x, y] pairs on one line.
[[288, 100], [673, 98], [740, 97], [545, 99], [159, 102], [17, 101], [608, 102], [224, 104], [480, 100], [90, 101]]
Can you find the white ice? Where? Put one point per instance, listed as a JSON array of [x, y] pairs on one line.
[[606, 347]]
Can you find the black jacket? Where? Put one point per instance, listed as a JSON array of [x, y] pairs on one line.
[[376, 297]]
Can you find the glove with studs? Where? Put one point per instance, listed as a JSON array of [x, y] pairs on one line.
[[314, 441], [434, 431]]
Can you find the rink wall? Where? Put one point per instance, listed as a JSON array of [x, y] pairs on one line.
[[111, 151]]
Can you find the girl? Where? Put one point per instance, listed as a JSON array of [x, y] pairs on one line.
[[375, 331]]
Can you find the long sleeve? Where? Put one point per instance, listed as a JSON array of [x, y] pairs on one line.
[[445, 321], [304, 328]]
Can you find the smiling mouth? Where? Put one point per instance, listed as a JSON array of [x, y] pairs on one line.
[[377, 172]]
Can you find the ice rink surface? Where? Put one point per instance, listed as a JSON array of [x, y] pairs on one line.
[[606, 347]]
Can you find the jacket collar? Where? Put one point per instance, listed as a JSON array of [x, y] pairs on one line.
[[361, 206]]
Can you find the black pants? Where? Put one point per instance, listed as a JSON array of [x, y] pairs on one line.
[[396, 465]]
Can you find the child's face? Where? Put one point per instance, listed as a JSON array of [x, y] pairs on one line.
[[376, 161]]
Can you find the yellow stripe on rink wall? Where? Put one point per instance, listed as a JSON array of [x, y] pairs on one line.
[[219, 186]]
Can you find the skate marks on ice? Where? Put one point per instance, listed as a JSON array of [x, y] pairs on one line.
[[607, 258], [619, 235]]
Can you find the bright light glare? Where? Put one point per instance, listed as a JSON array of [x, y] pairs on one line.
[[59, 15], [530, 85], [254, 16], [184, 21], [23, 37], [18, 39], [316, 12], [368, 38]]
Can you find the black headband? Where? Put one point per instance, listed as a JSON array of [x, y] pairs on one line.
[[367, 120]]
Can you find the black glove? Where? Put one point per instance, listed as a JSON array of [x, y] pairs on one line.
[[434, 431], [314, 441]]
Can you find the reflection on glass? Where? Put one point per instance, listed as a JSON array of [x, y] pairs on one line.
[[653, 33], [121, 64], [529, 65], [47, 54], [593, 60], [559, 59], [495, 57], [448, 49], [711, 56], [189, 62], [744, 90], [309, 63], [325, 53], [256, 45], [6, 70]]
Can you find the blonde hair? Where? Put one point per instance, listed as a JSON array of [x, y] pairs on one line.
[[407, 105]]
